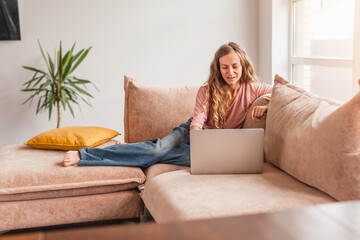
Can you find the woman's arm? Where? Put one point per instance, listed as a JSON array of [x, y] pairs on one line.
[[195, 128], [259, 90], [262, 88], [200, 111]]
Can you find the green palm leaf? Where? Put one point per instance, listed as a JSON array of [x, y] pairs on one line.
[[81, 81], [42, 53], [34, 69], [66, 60], [82, 57], [52, 66]]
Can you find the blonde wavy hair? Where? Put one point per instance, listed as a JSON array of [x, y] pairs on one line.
[[217, 89]]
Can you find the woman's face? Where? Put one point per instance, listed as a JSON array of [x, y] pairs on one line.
[[230, 68]]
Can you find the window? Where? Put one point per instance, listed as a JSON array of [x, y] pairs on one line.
[[322, 47]]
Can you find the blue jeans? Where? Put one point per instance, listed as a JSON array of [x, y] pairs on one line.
[[172, 149]]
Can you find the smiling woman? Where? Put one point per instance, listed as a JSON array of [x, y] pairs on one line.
[[232, 85], [9, 20]]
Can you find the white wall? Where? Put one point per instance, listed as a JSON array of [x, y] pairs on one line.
[[159, 42], [274, 49]]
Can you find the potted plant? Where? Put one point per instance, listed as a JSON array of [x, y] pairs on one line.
[[56, 85]]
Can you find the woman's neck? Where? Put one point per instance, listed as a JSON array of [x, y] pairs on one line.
[[233, 90]]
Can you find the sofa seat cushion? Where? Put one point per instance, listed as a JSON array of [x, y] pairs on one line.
[[158, 169], [27, 173], [178, 195]]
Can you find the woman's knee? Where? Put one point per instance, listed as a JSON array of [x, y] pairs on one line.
[[155, 147]]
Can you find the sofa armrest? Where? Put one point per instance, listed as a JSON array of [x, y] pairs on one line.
[[258, 123]]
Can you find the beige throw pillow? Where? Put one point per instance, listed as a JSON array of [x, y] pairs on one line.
[[152, 111], [314, 139]]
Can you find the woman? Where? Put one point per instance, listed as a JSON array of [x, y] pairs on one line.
[[222, 102], [230, 90]]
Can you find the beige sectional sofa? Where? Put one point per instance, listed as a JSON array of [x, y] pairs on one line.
[[35, 190]]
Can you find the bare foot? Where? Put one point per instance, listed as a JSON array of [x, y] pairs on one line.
[[71, 158]]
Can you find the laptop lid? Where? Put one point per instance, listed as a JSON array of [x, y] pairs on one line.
[[226, 151]]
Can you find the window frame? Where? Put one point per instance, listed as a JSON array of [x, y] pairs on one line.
[[353, 63]]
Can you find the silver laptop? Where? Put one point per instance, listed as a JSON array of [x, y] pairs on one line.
[[226, 151]]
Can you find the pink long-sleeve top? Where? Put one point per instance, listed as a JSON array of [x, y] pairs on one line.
[[236, 113]]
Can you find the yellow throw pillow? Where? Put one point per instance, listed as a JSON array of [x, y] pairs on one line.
[[72, 138]]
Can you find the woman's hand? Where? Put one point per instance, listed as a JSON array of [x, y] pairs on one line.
[[258, 112], [195, 128]]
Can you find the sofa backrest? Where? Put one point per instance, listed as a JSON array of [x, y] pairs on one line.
[[152, 111]]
